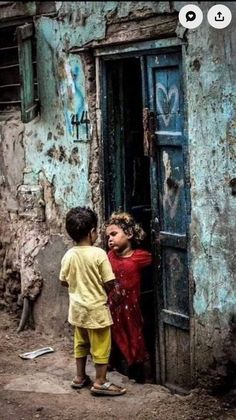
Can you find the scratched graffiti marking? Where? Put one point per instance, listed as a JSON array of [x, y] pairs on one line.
[[176, 265], [73, 99], [169, 103], [79, 97], [175, 275], [79, 120], [171, 190], [76, 121]]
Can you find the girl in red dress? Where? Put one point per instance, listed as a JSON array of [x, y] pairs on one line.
[[123, 235]]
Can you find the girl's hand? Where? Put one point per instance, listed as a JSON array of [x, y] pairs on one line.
[[115, 296]]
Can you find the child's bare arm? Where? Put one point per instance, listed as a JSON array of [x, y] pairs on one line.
[[114, 292], [109, 285]]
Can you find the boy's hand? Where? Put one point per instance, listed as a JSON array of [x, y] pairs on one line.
[[109, 285]]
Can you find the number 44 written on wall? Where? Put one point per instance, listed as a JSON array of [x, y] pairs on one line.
[[76, 122]]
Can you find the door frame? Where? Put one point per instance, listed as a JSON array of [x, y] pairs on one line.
[[108, 53], [142, 49]]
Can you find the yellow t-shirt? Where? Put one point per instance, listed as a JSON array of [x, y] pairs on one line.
[[86, 269]]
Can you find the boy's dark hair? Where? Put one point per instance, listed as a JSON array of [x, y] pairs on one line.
[[79, 222]]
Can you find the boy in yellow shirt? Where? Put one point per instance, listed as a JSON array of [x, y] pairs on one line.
[[86, 271]]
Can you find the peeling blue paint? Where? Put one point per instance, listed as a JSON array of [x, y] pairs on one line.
[[212, 105]]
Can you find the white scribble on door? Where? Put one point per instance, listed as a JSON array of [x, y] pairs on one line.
[[170, 194], [167, 102]]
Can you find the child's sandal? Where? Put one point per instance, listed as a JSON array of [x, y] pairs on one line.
[[78, 385]]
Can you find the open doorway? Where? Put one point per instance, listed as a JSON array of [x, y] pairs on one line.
[[127, 179], [155, 189]]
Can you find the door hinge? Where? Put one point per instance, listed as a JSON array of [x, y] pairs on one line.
[[149, 127]]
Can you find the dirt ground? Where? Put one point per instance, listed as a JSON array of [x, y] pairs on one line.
[[40, 388]]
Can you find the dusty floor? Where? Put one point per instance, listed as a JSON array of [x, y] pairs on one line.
[[40, 388]]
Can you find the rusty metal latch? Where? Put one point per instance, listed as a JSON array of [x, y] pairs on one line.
[[149, 127], [155, 231]]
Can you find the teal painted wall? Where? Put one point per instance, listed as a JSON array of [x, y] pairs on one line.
[[211, 95], [53, 154], [211, 77]]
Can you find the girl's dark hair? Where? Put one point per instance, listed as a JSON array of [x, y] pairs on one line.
[[79, 222], [126, 222]]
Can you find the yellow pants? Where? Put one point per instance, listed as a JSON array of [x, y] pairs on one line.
[[95, 342]]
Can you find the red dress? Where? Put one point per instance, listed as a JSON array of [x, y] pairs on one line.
[[127, 330]]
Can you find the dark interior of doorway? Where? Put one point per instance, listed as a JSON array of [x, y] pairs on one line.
[[127, 177]]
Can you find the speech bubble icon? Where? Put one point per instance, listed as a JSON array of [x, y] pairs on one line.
[[190, 16]]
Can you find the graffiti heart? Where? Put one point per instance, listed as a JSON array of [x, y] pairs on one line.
[[165, 101]]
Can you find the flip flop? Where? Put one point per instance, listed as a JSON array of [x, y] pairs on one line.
[[78, 385], [105, 389]]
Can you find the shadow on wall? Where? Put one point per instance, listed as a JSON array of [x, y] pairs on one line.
[[51, 308], [216, 355]]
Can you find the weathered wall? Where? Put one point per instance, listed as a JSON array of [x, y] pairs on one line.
[[211, 78], [56, 171], [42, 157], [11, 175]]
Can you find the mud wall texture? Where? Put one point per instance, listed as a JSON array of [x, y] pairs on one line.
[[52, 164]]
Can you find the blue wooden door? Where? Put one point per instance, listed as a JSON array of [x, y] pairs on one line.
[[170, 216]]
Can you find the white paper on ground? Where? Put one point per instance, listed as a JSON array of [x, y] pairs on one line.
[[36, 353]]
